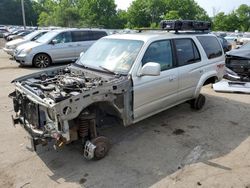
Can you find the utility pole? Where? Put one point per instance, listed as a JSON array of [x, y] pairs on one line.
[[23, 12]]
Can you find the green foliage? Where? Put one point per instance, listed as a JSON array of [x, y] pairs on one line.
[[103, 13], [172, 15], [243, 13], [236, 20], [143, 13], [11, 12], [97, 13]]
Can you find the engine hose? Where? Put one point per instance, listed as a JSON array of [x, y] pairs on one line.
[[45, 88]]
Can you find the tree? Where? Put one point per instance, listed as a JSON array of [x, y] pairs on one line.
[[97, 13], [143, 13], [121, 19], [138, 14], [8, 17], [172, 15], [243, 13]]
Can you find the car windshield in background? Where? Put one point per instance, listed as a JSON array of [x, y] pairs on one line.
[[116, 55], [245, 46], [31, 35], [246, 36], [47, 37]]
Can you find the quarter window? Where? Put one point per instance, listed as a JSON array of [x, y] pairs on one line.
[[159, 52], [98, 34], [186, 52], [211, 46]]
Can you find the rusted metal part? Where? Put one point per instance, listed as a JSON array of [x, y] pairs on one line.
[[102, 145]]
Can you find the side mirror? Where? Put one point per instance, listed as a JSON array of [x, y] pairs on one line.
[[151, 69], [53, 42]]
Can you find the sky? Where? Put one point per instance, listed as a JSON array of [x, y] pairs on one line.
[[209, 5]]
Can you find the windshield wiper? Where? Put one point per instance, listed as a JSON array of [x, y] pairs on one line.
[[107, 70]]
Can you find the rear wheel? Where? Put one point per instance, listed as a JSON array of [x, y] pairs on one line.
[[41, 61], [198, 103]]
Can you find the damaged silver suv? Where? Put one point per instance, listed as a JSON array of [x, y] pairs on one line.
[[126, 77]]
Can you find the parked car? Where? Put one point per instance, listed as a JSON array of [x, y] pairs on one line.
[[57, 46], [245, 38], [15, 32], [238, 60], [122, 78], [11, 46], [227, 46], [2, 31], [234, 37], [19, 35]]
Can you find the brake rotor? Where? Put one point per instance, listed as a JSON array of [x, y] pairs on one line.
[[102, 147]]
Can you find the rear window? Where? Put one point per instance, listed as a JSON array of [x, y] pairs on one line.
[[78, 36], [211, 46], [98, 34]]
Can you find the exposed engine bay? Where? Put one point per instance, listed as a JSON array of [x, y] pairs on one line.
[[64, 84], [68, 104]]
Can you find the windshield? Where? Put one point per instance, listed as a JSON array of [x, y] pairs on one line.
[[117, 55], [31, 35], [247, 36], [47, 37], [246, 46]]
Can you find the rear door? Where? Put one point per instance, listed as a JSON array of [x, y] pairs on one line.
[[82, 41], [63, 49], [190, 67], [154, 93]]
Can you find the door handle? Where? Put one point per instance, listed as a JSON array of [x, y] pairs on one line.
[[172, 78], [70, 45]]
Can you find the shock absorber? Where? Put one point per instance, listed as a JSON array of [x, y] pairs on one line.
[[87, 125], [94, 147]]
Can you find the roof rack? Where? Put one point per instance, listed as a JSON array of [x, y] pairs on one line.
[[185, 25]]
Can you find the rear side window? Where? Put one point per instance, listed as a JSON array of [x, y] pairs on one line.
[[211, 46], [78, 36], [186, 52], [98, 34]]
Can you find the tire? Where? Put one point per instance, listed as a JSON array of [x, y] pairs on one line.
[[41, 61], [198, 103]]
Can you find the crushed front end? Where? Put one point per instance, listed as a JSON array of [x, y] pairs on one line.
[[61, 104]]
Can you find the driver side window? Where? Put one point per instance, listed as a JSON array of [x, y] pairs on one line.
[[63, 37], [159, 52]]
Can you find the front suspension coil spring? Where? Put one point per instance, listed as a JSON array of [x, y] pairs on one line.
[[83, 127]]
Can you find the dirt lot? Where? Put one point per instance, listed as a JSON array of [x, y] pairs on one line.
[[176, 148]]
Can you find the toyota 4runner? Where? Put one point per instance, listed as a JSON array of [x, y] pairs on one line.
[[126, 77]]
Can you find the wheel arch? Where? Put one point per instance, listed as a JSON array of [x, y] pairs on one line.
[[103, 106], [39, 53], [205, 80]]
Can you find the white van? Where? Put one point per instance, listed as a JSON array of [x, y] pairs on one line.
[[57, 46]]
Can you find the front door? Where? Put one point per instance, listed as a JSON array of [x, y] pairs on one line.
[[62, 49], [152, 94]]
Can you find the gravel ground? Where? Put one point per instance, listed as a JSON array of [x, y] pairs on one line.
[[176, 148]]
